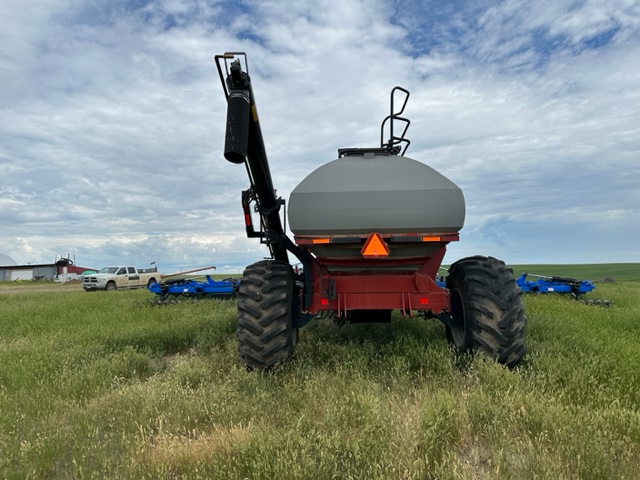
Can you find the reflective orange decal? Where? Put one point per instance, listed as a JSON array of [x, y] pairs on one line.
[[375, 247], [431, 239]]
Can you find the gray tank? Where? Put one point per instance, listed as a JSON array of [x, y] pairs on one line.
[[375, 192]]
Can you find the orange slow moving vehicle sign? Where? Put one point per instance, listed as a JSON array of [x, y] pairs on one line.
[[375, 247]]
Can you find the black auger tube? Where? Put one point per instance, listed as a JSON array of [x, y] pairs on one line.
[[244, 141]]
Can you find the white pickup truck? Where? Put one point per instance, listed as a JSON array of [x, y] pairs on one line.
[[120, 278]]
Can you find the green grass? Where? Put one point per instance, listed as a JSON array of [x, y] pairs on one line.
[[104, 385]]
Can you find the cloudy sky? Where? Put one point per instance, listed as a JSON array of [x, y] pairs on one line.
[[112, 120]]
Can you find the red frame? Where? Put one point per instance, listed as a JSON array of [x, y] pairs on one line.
[[340, 285]]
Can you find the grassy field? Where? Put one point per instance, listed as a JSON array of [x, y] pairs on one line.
[[104, 385], [593, 272]]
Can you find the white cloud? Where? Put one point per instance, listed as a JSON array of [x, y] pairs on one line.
[[112, 120]]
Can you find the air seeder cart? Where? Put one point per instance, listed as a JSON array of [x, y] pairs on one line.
[[370, 230]]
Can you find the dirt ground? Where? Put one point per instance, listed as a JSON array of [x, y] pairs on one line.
[[24, 287]]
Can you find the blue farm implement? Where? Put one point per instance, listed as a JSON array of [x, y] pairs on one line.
[[170, 291], [184, 288], [551, 284]]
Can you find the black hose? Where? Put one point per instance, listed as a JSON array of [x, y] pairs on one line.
[[238, 118]]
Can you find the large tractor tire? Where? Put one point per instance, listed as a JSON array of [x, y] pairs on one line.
[[265, 330], [487, 304]]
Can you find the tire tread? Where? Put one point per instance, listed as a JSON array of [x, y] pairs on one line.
[[264, 328], [493, 306]]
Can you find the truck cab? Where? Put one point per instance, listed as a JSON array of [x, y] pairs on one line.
[[120, 278]]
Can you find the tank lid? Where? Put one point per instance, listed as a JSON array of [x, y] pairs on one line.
[[346, 152]]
